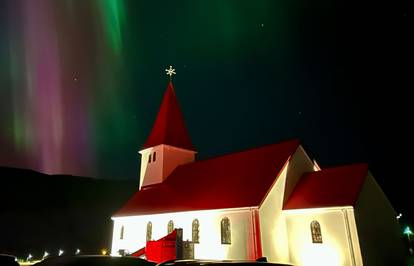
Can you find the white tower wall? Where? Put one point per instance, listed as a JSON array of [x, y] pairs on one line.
[[158, 162]]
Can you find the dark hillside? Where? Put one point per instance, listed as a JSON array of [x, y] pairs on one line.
[[41, 212]]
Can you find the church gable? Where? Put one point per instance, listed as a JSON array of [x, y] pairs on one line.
[[332, 187], [377, 225]]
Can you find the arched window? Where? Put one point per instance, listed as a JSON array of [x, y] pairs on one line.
[[316, 232], [121, 234], [225, 231], [149, 231], [196, 231], [170, 226]]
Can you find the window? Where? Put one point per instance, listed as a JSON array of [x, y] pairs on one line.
[[154, 156], [225, 231], [316, 232], [149, 158], [170, 227], [196, 231], [149, 231], [121, 234]]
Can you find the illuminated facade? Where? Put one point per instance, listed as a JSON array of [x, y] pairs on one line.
[[271, 201]]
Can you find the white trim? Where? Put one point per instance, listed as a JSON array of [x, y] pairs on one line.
[[348, 234], [166, 146], [120, 218], [310, 210]]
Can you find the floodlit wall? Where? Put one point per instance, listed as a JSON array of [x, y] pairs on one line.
[[379, 232], [272, 219], [339, 247], [167, 159], [299, 164], [174, 157], [241, 222], [151, 173]]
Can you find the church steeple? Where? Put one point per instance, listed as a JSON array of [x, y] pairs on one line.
[[169, 127], [168, 144]]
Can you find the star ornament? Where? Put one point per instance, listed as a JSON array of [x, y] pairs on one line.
[[170, 71]]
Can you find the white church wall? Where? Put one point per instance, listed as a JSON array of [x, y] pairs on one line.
[[176, 156], [353, 235], [379, 232], [272, 224], [210, 247], [339, 247], [133, 239], [272, 220], [151, 172]]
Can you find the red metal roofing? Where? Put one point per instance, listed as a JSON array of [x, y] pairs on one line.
[[339, 186], [236, 180], [169, 127]]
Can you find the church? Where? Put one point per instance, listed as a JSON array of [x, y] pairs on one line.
[[271, 201]]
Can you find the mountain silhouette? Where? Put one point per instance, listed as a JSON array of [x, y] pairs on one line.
[[40, 212]]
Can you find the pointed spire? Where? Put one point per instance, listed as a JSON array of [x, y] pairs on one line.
[[169, 127]]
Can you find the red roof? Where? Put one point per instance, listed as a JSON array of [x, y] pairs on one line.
[[236, 180], [169, 127], [339, 186]]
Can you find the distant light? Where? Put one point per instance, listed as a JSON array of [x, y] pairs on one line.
[[104, 251], [399, 216], [29, 257], [45, 254], [407, 231], [61, 252], [77, 251]]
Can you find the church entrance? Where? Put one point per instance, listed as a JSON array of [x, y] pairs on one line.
[[170, 247]]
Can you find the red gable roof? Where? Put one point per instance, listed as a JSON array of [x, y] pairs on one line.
[[339, 186], [236, 180], [169, 127]]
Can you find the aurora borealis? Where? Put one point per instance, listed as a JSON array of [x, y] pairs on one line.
[[81, 80], [60, 85]]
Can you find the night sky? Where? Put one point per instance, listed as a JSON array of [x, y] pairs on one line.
[[81, 81]]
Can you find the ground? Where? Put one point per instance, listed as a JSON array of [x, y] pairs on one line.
[[410, 261]]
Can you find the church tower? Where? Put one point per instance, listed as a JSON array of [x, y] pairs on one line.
[[168, 145]]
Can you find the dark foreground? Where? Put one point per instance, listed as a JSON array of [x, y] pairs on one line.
[[50, 212]]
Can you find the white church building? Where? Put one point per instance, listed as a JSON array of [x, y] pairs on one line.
[[270, 201]]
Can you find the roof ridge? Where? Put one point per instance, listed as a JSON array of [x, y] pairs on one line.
[[241, 151], [337, 167], [167, 107]]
